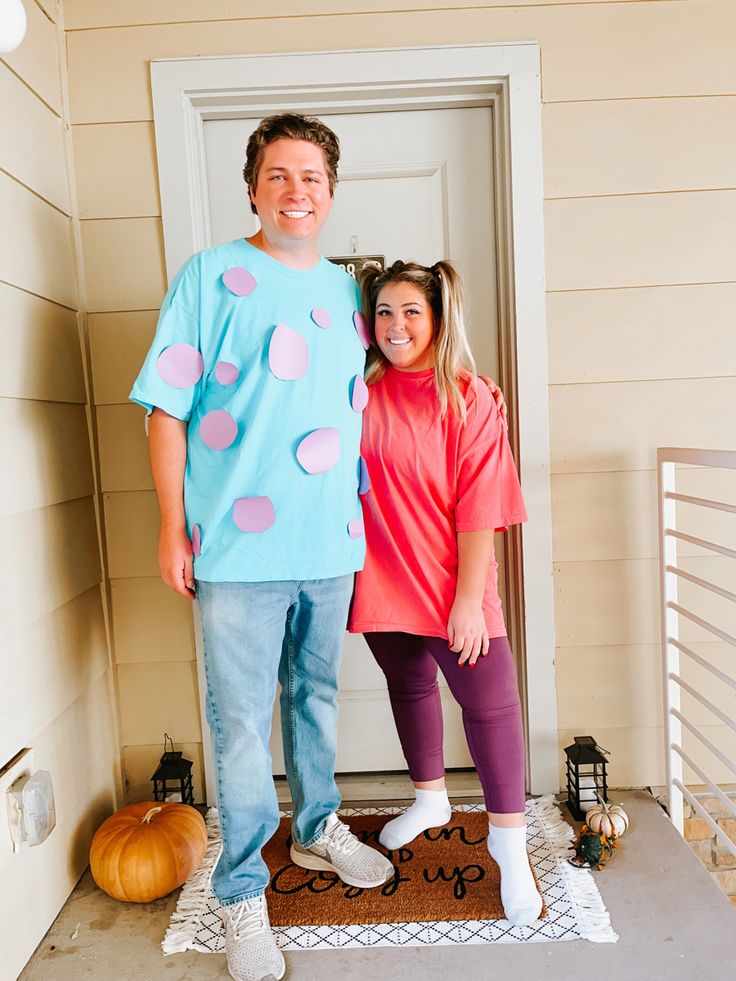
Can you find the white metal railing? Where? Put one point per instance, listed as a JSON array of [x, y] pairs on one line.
[[672, 647]]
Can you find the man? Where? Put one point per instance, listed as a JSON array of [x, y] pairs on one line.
[[255, 455]]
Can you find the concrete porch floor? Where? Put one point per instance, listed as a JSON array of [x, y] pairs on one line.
[[672, 921]]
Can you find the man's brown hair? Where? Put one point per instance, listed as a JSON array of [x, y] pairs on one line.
[[290, 126]]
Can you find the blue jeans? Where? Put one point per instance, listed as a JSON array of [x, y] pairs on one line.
[[254, 634]]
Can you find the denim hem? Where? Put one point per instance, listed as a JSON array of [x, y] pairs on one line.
[[241, 899], [308, 844]]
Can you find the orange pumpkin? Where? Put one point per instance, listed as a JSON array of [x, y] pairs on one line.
[[144, 851]]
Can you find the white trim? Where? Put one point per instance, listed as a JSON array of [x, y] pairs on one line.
[[507, 76]]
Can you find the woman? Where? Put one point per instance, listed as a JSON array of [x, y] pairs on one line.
[[442, 481]]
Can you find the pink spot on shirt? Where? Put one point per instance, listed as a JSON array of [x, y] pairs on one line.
[[253, 514], [321, 317], [196, 539], [364, 480], [359, 396], [288, 354], [320, 450], [218, 430], [239, 281], [226, 373], [180, 365], [355, 528]]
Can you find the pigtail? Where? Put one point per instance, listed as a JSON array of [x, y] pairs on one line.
[[452, 350]]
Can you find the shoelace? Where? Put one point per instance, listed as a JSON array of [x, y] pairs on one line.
[[247, 919], [343, 838]]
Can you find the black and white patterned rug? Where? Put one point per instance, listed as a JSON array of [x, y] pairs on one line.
[[575, 909]]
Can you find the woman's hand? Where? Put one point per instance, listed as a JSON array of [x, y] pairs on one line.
[[176, 561], [466, 630], [503, 409]]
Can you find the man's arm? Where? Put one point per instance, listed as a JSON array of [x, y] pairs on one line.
[[167, 441]]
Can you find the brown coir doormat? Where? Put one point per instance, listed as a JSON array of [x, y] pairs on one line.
[[444, 874]]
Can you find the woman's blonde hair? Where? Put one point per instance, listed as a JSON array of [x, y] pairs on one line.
[[442, 288]]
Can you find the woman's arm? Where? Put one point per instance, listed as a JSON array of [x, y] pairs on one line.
[[167, 440], [466, 627]]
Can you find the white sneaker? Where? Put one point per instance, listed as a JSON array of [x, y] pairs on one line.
[[252, 953], [338, 850]]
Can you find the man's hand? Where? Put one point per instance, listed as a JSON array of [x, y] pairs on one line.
[[503, 409], [175, 560], [466, 630]]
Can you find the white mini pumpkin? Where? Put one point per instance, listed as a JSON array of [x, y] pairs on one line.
[[610, 820]]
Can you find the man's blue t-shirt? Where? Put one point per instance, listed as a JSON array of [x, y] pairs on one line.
[[265, 364]]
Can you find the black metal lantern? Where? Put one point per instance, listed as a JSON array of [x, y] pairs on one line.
[[173, 778], [586, 775]]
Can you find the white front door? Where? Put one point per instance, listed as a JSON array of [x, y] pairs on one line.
[[413, 185]]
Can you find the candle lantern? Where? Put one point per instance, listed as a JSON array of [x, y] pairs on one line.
[[587, 781], [172, 780]]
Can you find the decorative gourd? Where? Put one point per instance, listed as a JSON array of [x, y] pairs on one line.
[[144, 851], [591, 850], [610, 820]]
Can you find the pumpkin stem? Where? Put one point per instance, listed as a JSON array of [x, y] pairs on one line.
[[148, 816]]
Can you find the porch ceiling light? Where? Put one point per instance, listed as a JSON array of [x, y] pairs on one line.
[[13, 25]]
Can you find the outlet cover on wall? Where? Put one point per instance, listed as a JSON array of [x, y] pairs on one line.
[[21, 765]]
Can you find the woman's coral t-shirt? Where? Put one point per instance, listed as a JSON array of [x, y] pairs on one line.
[[430, 478]]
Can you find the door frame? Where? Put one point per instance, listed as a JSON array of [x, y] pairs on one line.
[[506, 77]]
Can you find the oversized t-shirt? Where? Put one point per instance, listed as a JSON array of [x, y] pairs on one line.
[[264, 362], [429, 479]]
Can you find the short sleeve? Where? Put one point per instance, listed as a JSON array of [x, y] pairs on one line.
[[172, 374], [488, 489]]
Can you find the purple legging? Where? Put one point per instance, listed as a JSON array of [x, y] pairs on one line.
[[489, 699]]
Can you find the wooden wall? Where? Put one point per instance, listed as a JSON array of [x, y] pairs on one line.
[[56, 691]]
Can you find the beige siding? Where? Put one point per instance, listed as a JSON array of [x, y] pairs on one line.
[[36, 152], [123, 448], [56, 694], [127, 13], [634, 334], [641, 262], [118, 164], [152, 622], [123, 261], [617, 426], [49, 444], [158, 697], [38, 256], [580, 139], [132, 524], [67, 650], [118, 342], [42, 358], [582, 48], [641, 240]]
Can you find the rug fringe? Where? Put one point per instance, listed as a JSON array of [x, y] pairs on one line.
[[593, 918], [193, 898]]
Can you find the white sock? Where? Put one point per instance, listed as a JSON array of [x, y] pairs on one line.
[[519, 894], [431, 809]]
